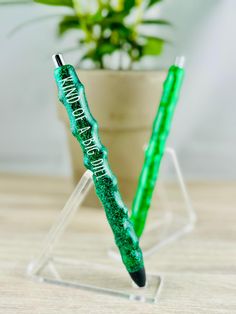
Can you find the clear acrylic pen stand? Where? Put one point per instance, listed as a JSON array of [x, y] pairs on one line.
[[171, 214], [78, 251]]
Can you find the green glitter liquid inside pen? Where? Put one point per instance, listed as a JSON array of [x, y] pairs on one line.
[[156, 146], [85, 129]]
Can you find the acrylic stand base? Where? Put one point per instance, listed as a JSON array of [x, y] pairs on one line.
[[78, 259], [171, 214], [68, 256]]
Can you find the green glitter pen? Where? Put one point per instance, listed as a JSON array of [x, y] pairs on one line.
[[85, 129], [156, 146]]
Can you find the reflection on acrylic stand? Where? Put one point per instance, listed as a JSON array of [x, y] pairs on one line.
[[171, 214], [63, 258], [67, 257]]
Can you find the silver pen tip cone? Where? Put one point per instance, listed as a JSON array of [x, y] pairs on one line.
[[58, 60], [180, 61]]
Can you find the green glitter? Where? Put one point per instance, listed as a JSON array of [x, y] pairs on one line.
[[156, 147], [85, 128]]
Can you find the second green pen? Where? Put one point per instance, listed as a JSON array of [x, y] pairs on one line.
[[156, 146]]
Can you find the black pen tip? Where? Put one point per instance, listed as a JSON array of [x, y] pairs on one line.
[[139, 277]]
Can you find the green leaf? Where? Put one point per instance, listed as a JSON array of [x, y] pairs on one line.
[[122, 31], [106, 48], [92, 55], [67, 23], [67, 3], [157, 22], [128, 5], [101, 50], [152, 2], [88, 55], [95, 18], [153, 46]]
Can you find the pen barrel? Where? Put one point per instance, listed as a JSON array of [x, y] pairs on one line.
[[156, 148], [85, 129]]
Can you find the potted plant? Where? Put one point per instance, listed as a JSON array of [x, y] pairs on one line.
[[122, 98]]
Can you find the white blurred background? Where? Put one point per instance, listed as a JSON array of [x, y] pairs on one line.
[[32, 139]]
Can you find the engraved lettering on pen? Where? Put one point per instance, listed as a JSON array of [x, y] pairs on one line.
[[78, 114], [65, 80], [91, 148], [83, 130], [71, 93], [99, 168]]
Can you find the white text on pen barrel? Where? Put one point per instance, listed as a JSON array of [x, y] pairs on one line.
[[73, 96]]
